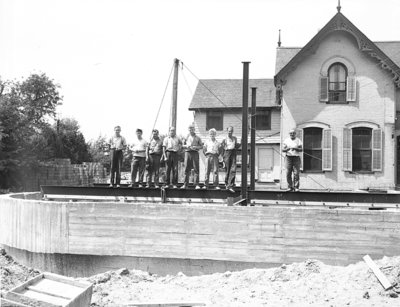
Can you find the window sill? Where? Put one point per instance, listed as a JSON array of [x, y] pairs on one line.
[[362, 172], [313, 172]]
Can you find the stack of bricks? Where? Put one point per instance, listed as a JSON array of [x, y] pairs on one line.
[[62, 172]]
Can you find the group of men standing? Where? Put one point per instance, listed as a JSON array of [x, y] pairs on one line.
[[166, 151]]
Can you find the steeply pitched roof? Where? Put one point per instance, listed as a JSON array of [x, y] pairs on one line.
[[284, 55], [340, 23], [229, 93], [391, 49]]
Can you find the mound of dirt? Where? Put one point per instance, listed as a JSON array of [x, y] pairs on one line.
[[12, 273], [309, 283]]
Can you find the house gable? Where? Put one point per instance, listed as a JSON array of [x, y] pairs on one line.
[[340, 23]]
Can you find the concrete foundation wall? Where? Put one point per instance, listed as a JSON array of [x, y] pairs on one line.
[[192, 235]]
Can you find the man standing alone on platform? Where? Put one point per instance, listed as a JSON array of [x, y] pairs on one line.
[[153, 156], [292, 146], [117, 144], [192, 144], [171, 145], [139, 158], [230, 146]]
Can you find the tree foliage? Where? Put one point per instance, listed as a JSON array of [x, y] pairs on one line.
[[27, 136]]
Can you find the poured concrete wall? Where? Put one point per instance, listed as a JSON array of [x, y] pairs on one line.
[[168, 238]]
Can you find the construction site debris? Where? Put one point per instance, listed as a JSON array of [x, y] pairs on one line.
[[308, 283]]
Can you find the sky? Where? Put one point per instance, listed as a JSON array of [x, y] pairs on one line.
[[113, 58]]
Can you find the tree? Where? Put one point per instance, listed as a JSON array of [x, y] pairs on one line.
[[25, 110], [98, 150]]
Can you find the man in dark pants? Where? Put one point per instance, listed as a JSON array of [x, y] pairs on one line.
[[171, 145], [153, 156], [117, 145], [292, 146], [192, 144], [230, 146], [139, 158]]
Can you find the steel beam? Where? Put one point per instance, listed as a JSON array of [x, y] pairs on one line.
[[212, 195]]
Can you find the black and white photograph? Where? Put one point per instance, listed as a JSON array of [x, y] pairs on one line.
[[217, 153]]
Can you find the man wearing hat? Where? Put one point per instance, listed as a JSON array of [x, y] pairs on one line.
[[153, 157]]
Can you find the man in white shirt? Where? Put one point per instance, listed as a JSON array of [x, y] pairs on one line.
[[171, 146], [192, 144], [212, 149], [117, 144], [230, 145], [292, 146], [139, 158]]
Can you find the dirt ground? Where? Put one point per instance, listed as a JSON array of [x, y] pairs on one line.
[[309, 283]]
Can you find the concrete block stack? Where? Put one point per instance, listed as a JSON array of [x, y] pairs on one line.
[[62, 172]]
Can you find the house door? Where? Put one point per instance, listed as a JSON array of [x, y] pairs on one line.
[[265, 164], [398, 160]]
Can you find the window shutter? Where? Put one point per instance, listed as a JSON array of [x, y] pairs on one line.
[[351, 89], [347, 149], [377, 150], [299, 134], [327, 150], [323, 89]]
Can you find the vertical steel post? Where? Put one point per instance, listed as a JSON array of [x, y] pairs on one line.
[[245, 128], [174, 95], [253, 139]]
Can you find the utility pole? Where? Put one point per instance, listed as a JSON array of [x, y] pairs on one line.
[[245, 128], [174, 95]]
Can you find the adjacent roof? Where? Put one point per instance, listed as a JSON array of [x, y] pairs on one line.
[[227, 93], [340, 23]]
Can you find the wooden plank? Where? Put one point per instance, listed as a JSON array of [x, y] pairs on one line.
[[47, 293], [19, 298], [7, 303], [378, 273]]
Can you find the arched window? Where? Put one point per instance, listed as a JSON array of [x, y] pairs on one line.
[[337, 75]]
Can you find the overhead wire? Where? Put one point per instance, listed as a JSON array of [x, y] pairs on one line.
[[162, 100], [240, 119]]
